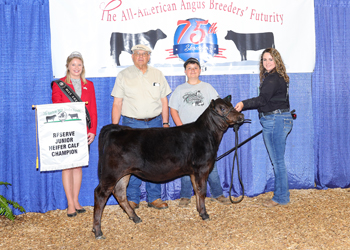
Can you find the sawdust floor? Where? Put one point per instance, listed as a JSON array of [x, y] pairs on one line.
[[315, 219]]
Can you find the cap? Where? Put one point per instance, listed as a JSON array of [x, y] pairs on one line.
[[141, 47], [75, 54], [192, 60]]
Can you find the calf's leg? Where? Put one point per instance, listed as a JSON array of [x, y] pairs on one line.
[[120, 193], [200, 187], [101, 196]]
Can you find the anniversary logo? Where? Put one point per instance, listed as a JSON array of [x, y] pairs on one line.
[[188, 43], [62, 136]]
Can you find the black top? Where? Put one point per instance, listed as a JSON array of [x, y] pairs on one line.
[[273, 95]]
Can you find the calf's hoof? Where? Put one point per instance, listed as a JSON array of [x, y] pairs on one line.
[[205, 216], [98, 236], [101, 237], [136, 219]]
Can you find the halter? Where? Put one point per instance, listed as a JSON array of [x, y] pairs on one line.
[[223, 116]]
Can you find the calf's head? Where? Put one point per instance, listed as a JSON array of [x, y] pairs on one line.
[[224, 109]]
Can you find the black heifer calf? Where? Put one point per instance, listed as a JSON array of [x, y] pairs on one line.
[[160, 154], [254, 42]]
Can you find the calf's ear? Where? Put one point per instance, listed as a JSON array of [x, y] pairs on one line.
[[212, 103], [228, 99]]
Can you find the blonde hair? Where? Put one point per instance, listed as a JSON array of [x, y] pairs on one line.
[[280, 68], [76, 55]]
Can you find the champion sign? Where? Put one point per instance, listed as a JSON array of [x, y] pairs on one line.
[[62, 136]]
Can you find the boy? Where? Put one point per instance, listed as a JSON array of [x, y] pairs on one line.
[[187, 103]]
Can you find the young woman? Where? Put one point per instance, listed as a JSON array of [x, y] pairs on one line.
[[275, 118], [75, 78]]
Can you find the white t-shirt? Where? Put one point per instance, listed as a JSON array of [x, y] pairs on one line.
[[191, 100]]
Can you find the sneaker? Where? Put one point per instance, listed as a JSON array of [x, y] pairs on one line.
[[184, 202], [269, 203], [222, 199]]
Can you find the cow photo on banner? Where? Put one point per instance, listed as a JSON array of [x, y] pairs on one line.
[[227, 37], [62, 136]]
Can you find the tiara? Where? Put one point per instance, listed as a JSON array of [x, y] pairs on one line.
[[75, 54]]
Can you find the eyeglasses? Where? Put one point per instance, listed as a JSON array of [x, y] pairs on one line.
[[141, 54]]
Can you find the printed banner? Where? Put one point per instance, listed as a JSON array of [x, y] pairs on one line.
[[226, 36], [62, 136]]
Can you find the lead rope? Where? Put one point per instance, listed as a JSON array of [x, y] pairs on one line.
[[235, 157]]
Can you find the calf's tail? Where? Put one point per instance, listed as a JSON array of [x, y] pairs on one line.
[[103, 143]]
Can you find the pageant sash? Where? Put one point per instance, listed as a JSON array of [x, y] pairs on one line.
[[73, 97]]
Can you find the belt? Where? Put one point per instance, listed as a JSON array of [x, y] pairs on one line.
[[147, 119], [277, 111]]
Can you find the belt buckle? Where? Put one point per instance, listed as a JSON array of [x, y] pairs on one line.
[[147, 119]]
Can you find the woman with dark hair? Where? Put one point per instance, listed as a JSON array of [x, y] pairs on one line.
[[275, 118], [75, 79]]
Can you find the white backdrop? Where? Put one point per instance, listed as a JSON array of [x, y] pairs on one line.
[[87, 25]]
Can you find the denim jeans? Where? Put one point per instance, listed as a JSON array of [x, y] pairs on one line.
[[133, 191], [214, 184], [276, 128]]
